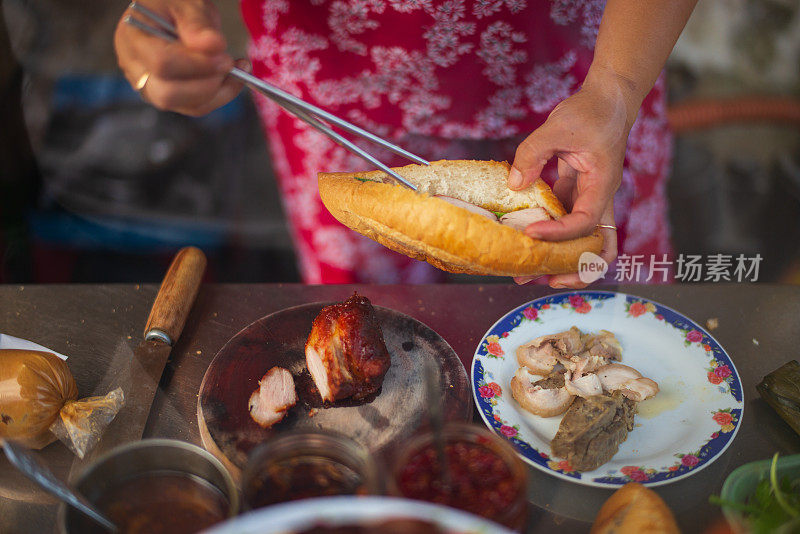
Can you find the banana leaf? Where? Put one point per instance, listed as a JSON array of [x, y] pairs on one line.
[[781, 390]]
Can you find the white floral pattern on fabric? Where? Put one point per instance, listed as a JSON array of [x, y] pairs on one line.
[[406, 6], [648, 148], [446, 79], [290, 58], [588, 12], [335, 247], [648, 216], [550, 83], [498, 54], [351, 17], [444, 37], [272, 10], [485, 8]]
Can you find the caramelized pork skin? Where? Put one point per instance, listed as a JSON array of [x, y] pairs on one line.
[[345, 351]]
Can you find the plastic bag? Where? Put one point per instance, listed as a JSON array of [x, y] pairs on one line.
[[38, 403]]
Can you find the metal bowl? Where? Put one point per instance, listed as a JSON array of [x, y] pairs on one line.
[[148, 457]]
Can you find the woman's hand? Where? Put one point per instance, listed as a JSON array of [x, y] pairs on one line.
[[588, 133], [188, 76]]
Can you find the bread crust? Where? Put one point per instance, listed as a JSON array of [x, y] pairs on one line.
[[448, 237], [633, 509]]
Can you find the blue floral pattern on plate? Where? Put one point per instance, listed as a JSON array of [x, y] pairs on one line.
[[680, 436]]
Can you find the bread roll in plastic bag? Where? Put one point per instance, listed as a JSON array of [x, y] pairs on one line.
[[38, 403]]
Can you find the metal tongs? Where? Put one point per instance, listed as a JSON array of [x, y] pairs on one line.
[[306, 112]]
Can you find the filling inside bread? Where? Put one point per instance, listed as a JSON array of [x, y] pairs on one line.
[[517, 219], [480, 187]]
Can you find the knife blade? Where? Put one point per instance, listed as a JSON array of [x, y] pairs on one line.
[[140, 375]]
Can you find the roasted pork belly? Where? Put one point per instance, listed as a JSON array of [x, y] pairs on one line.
[[542, 354], [274, 396], [345, 351], [582, 363], [546, 397], [603, 344], [521, 219], [627, 380], [597, 397], [582, 386]]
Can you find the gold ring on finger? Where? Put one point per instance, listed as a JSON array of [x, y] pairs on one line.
[[141, 82]]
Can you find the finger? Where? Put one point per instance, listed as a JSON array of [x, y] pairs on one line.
[[174, 61], [192, 97], [227, 92], [608, 253], [610, 238], [572, 280], [563, 281], [198, 25], [565, 187], [244, 64], [530, 158], [522, 280], [594, 195]]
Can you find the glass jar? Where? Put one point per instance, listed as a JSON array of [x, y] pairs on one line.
[[303, 464], [487, 478], [154, 486]]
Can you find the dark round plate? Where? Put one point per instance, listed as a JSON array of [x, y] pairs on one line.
[[279, 339]]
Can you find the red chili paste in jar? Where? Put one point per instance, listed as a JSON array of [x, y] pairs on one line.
[[482, 483]]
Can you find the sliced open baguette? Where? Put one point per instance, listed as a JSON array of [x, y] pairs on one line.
[[428, 228]]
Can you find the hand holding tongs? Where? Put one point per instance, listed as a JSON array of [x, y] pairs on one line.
[[303, 110]]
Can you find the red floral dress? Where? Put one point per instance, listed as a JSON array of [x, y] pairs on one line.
[[445, 79]]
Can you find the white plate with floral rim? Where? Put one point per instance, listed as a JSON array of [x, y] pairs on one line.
[[681, 430]]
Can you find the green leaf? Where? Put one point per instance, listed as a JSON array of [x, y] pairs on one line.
[[763, 494], [773, 479]]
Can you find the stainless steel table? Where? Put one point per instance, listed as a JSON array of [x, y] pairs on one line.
[[94, 324]]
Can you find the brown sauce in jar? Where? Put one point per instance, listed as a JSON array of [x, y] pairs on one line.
[[157, 503], [302, 477]]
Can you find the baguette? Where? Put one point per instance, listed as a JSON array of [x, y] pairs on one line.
[[449, 237], [633, 509]]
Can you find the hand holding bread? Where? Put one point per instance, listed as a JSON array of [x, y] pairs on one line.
[[463, 219], [588, 133]]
